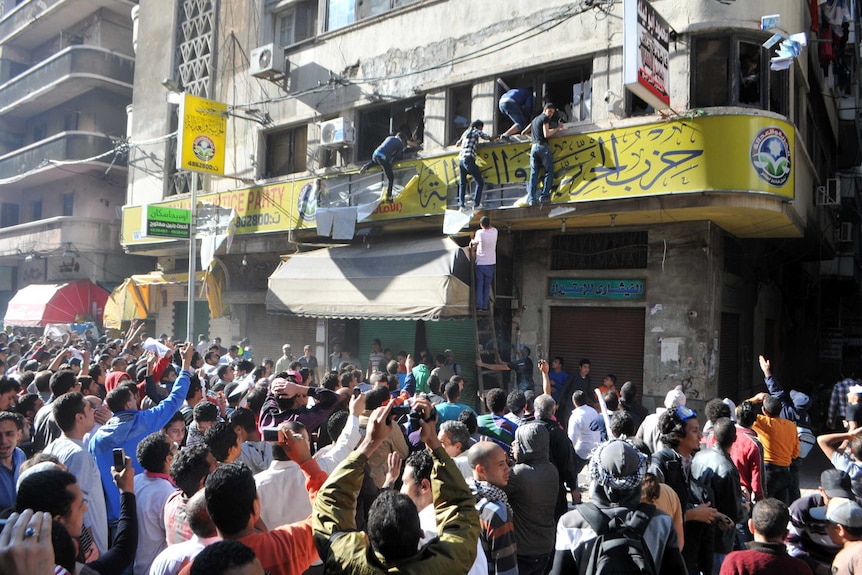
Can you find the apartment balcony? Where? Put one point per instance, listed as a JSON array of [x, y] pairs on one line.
[[34, 22], [80, 147], [64, 76], [52, 234]]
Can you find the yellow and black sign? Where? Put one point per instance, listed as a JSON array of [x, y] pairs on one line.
[[201, 135]]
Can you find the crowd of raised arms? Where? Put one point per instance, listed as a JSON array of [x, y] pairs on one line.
[[145, 456]]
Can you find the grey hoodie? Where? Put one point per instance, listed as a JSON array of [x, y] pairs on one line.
[[532, 491]]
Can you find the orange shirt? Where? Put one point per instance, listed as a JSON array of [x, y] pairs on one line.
[[288, 549], [779, 438]]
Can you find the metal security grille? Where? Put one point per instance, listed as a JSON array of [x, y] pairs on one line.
[[621, 250]]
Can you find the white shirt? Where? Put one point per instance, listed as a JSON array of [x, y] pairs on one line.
[[282, 492], [582, 437], [151, 493], [330, 456], [256, 454], [486, 246], [74, 455], [202, 348], [428, 523], [650, 432], [172, 559], [464, 467]]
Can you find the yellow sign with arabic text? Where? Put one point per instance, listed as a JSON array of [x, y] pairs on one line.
[[201, 135], [738, 153]]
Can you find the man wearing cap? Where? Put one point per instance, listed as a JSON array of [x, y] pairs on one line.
[[844, 526], [765, 555], [649, 430], [616, 474], [807, 537]]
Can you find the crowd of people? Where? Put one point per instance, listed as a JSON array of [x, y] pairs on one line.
[[145, 456]]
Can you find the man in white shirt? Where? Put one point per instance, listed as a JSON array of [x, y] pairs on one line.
[[582, 437], [175, 557], [203, 345], [455, 439], [153, 487], [75, 416], [416, 484], [344, 426], [283, 363], [486, 260]]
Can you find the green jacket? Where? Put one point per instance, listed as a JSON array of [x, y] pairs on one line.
[[345, 550]]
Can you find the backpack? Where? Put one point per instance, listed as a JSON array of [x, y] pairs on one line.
[[619, 548], [807, 440]]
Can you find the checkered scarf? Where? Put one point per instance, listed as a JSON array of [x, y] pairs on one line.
[[602, 477]]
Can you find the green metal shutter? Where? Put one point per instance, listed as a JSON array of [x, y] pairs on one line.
[[394, 334]]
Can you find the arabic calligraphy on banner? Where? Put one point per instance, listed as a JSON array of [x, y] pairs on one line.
[[605, 289], [715, 153]]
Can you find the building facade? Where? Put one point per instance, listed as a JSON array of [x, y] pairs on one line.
[[66, 75], [678, 243]]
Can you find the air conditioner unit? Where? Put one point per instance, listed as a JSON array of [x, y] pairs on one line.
[[336, 132], [267, 61], [830, 194], [845, 232]]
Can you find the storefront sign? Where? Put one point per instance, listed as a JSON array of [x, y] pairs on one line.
[[646, 70], [605, 289], [699, 155], [164, 222], [201, 135]]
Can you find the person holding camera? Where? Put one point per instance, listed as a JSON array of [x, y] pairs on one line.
[[393, 531]]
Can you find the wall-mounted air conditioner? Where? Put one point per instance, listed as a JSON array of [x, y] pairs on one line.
[[336, 132], [267, 61]]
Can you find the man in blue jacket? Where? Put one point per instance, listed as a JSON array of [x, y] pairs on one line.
[[391, 150], [129, 426]]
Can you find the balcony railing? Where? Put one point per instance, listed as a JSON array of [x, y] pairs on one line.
[[64, 146], [33, 22], [64, 76], [54, 233]]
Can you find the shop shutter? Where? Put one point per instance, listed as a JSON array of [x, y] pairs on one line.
[[611, 338], [457, 335], [728, 356], [395, 334], [268, 332]]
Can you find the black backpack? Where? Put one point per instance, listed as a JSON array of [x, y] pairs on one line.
[[619, 547]]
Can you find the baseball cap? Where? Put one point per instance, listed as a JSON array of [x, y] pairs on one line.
[[855, 389], [674, 398], [841, 511], [836, 483]]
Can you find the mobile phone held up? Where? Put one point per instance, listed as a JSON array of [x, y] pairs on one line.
[[119, 459]]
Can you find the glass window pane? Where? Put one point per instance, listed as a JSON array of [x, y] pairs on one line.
[[749, 74], [710, 72]]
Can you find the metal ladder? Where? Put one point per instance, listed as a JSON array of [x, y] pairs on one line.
[[485, 331]]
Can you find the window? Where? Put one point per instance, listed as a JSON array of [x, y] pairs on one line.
[[40, 132], [569, 87], [460, 112], [286, 152], [636, 106], [293, 21], [70, 121], [340, 13], [622, 250], [36, 211], [731, 71], [376, 124], [68, 204], [8, 215]]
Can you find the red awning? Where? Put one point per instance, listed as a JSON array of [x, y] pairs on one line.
[[37, 305]]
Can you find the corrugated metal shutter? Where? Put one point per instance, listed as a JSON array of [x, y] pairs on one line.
[[269, 332], [728, 356], [457, 335], [611, 338], [396, 335]]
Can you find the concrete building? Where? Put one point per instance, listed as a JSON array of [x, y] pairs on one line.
[[66, 74], [678, 244]]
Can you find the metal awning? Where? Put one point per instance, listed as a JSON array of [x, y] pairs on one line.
[[37, 305], [407, 279]]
